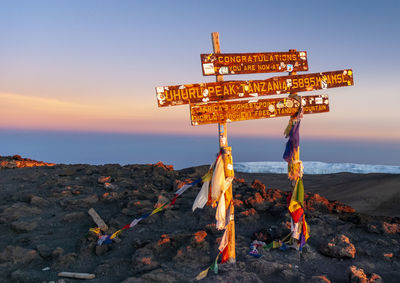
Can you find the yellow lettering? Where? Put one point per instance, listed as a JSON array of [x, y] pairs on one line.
[[339, 78], [199, 92], [284, 85], [231, 89], [334, 80], [344, 79], [270, 86], [295, 83], [318, 81], [211, 91], [218, 91], [226, 90], [276, 85], [263, 87], [307, 82], [177, 94], [250, 88], [185, 95], [168, 96], [236, 68], [192, 93]]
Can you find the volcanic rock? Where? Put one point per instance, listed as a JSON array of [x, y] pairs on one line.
[[39, 202], [18, 211], [23, 227], [357, 275], [43, 250], [144, 260], [16, 161], [74, 216], [339, 247], [320, 279], [104, 179], [176, 244], [16, 254], [390, 228]]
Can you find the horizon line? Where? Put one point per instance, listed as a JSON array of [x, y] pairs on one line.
[[198, 135]]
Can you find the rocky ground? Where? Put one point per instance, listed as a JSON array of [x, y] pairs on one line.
[[44, 226]]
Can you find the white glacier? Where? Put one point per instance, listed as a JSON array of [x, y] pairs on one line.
[[314, 167]]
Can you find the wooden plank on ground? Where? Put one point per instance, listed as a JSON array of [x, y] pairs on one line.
[[250, 63], [218, 91], [98, 220], [77, 275], [240, 110]]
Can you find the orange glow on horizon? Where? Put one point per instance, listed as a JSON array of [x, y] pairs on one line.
[[37, 113]]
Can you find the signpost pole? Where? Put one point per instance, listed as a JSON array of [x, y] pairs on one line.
[[295, 96], [229, 173]]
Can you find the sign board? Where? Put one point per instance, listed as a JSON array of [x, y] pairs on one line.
[[240, 110], [207, 92], [249, 63]]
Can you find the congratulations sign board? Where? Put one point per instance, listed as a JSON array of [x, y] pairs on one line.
[[232, 111], [249, 63]]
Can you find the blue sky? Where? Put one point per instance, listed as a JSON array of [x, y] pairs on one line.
[[93, 66]]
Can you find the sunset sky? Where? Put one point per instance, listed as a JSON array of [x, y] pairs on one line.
[[92, 66]]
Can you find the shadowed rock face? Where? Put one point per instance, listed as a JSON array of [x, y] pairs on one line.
[[44, 223]]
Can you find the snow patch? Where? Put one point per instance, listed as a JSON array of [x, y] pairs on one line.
[[314, 167]]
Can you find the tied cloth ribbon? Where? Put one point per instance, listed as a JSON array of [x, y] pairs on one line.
[[223, 246], [107, 239], [292, 150], [215, 185], [284, 244], [299, 228], [212, 267]]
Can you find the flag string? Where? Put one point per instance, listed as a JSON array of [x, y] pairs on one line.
[[107, 238]]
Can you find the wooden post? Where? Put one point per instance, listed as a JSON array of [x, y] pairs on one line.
[[293, 94], [229, 173], [298, 98]]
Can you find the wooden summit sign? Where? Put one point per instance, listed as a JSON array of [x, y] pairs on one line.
[[208, 101], [232, 111], [206, 92], [249, 63]]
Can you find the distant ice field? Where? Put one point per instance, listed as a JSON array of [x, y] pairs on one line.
[[315, 167]]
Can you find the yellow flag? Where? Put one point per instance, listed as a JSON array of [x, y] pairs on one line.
[[276, 244], [306, 233], [158, 209], [115, 234], [95, 230], [207, 177], [294, 205], [202, 274]]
